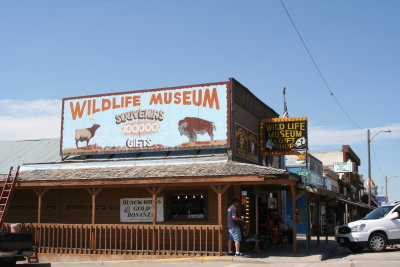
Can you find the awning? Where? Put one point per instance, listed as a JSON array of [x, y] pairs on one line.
[[362, 205]]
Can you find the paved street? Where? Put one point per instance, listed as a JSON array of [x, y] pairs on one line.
[[338, 257]]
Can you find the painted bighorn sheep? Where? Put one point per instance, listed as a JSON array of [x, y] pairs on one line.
[[85, 134]]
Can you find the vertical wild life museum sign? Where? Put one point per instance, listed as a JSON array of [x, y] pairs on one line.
[[178, 118], [283, 136]]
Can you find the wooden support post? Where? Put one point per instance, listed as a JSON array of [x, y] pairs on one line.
[[58, 205], [154, 191], [257, 215], [294, 221], [326, 223], [346, 218], [219, 190], [94, 192], [40, 193]]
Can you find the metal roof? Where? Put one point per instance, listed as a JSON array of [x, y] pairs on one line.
[[14, 153]]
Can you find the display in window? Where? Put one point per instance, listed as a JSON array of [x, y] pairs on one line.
[[187, 206]]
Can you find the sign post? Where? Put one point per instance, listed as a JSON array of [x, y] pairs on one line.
[[304, 173]]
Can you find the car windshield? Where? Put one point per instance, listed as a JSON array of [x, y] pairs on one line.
[[378, 213]]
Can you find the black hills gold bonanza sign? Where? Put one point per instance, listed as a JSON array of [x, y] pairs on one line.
[[283, 136]]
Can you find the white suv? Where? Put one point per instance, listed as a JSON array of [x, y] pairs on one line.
[[378, 229]]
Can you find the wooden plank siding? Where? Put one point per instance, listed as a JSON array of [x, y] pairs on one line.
[[74, 206], [66, 224], [69, 225]]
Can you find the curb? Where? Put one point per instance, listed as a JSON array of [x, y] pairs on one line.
[[194, 259], [268, 259]]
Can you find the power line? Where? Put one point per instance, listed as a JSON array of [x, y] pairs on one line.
[[377, 161], [317, 68]]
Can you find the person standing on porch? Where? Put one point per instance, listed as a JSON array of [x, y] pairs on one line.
[[234, 222]]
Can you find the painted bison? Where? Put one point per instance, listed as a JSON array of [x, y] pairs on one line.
[[191, 127]]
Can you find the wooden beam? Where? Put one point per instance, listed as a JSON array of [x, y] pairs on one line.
[[40, 193], [94, 192], [220, 218], [158, 190], [154, 192], [220, 190], [150, 190], [294, 220], [39, 214], [154, 197], [224, 188], [251, 179]]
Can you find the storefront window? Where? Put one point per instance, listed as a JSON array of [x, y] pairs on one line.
[[187, 205]]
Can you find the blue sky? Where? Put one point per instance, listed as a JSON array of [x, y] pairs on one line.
[[55, 49]]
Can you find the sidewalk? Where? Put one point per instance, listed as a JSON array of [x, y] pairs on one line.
[[282, 252], [269, 254]]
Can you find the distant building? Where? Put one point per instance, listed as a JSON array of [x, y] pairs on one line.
[[331, 179], [349, 185], [295, 164]]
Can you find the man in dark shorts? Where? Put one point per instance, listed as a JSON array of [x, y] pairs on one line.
[[234, 220]]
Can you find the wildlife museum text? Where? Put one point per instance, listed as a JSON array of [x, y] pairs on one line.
[[151, 119]]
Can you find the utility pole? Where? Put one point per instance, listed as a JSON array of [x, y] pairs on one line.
[[386, 194], [369, 169], [369, 139]]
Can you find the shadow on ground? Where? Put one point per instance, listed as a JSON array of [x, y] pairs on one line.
[[323, 247], [343, 252]]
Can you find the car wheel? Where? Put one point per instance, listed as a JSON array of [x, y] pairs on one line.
[[356, 248], [377, 242]]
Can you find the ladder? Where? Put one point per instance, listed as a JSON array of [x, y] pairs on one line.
[[6, 193]]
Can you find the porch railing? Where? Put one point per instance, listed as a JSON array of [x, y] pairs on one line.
[[193, 240]]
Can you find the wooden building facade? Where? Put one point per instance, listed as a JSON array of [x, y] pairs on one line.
[[74, 206]]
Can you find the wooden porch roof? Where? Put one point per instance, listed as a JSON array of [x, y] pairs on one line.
[[162, 173]]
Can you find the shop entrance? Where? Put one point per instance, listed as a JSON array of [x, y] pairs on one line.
[[264, 208]]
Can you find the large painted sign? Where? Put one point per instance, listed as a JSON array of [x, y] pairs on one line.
[[283, 136], [180, 118], [140, 209]]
